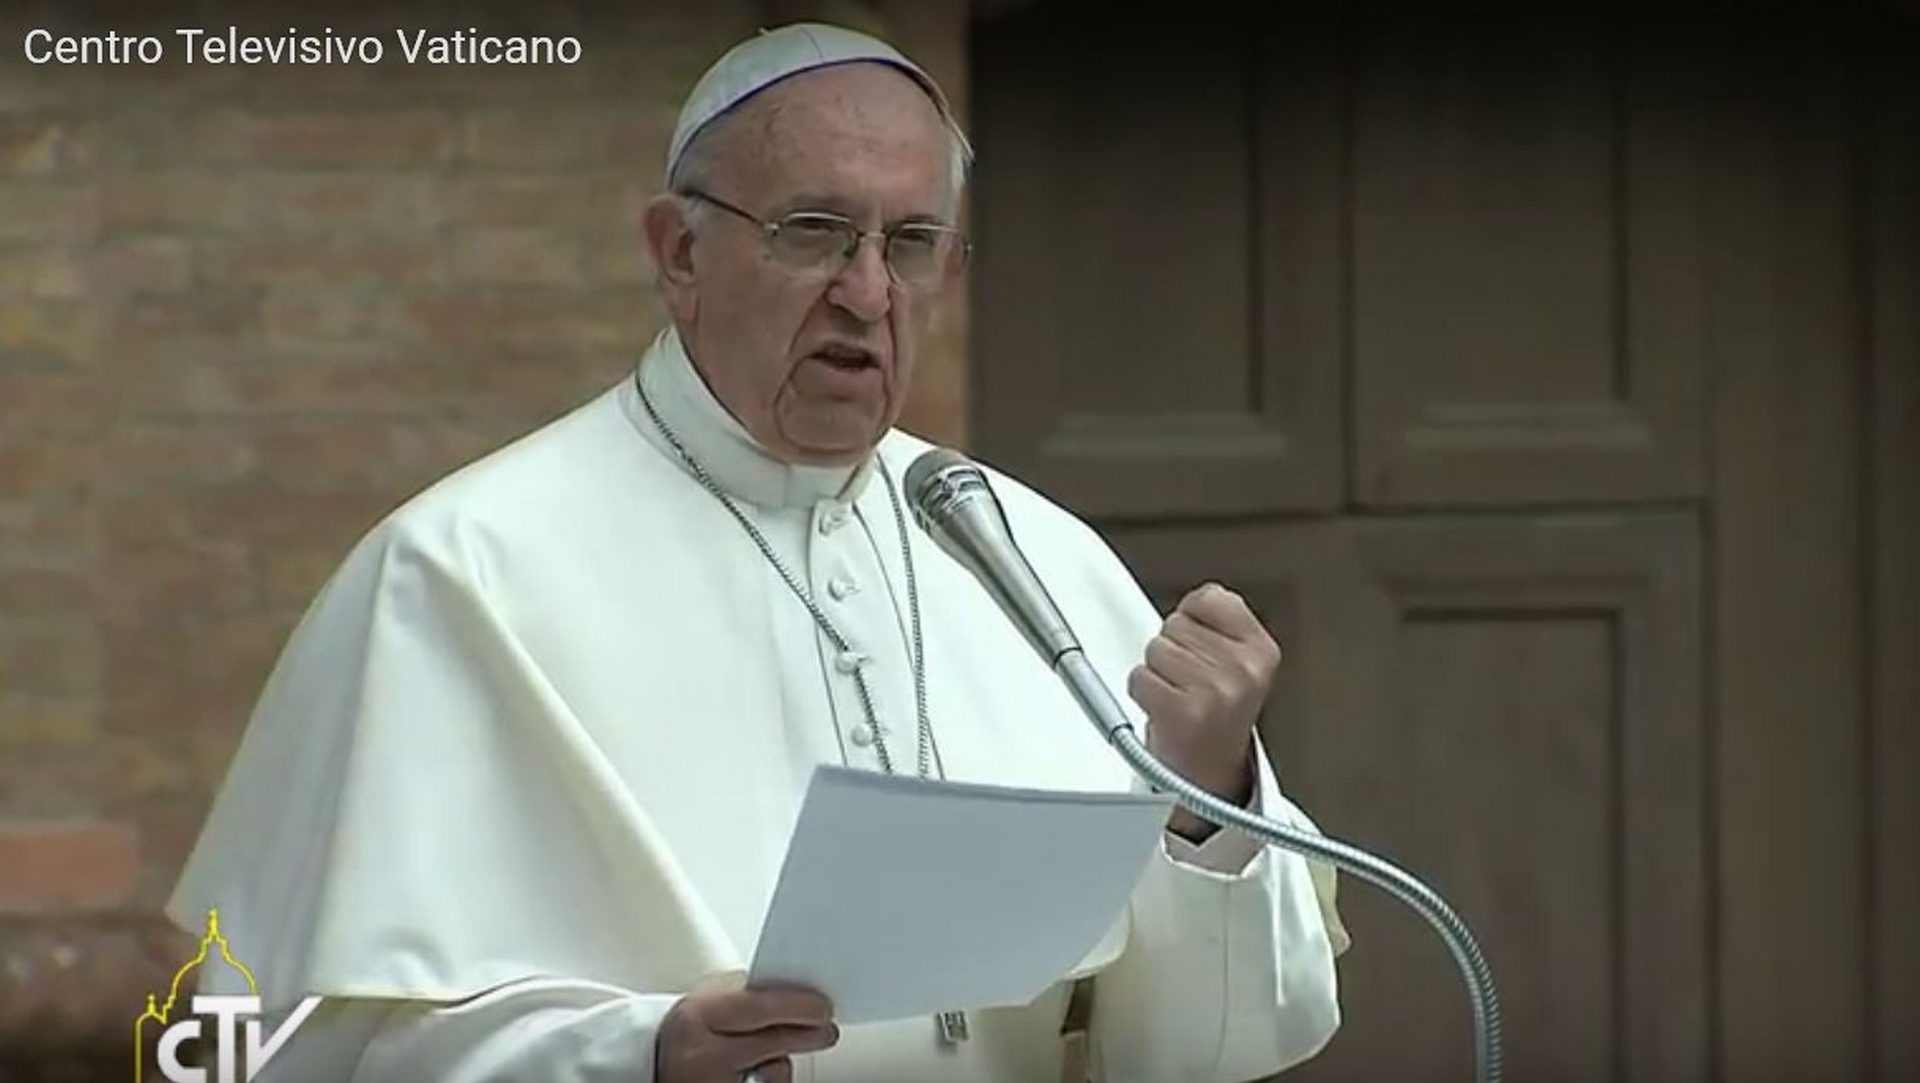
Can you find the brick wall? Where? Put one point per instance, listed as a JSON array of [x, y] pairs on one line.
[[243, 312]]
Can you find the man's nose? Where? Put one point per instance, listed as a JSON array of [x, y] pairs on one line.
[[863, 287]]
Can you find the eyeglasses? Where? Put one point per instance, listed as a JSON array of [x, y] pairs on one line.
[[920, 256]]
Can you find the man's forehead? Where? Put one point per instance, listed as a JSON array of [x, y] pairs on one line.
[[844, 139], [849, 97], [774, 56]]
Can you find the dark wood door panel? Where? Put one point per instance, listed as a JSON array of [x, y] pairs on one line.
[[1894, 739], [1133, 223], [1511, 710], [1526, 300], [1790, 430]]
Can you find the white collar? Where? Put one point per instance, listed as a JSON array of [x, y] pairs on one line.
[[723, 447]]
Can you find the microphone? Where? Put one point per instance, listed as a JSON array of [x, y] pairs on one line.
[[952, 501], [955, 505]]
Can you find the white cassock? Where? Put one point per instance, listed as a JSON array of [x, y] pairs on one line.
[[526, 770]]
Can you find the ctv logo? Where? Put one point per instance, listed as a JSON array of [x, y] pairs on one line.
[[232, 1024]]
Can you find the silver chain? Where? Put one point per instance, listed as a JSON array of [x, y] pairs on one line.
[[840, 642]]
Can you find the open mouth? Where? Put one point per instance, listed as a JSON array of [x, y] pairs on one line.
[[845, 357]]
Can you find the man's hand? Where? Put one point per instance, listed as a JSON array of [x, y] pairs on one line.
[[1202, 684], [719, 1036]]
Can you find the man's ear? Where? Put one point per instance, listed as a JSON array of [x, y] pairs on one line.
[[668, 236]]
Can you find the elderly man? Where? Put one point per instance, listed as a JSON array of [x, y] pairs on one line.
[[515, 796]]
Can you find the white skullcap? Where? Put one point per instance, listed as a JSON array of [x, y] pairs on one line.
[[773, 55]]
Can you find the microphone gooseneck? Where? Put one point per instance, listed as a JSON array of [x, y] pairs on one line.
[[953, 503]]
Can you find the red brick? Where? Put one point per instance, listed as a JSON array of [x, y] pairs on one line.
[[160, 578], [621, 258], [533, 322], [520, 137], [178, 385], [271, 514], [140, 265], [32, 470], [189, 197], [360, 138], [48, 209], [172, 705], [156, 761], [527, 388], [584, 201], [158, 648], [132, 137], [41, 591], [226, 311], [38, 403], [53, 781], [171, 822], [426, 450], [324, 318], [142, 452], [35, 144], [57, 656], [31, 722], [642, 134], [41, 273], [239, 649], [333, 452], [60, 867], [514, 256], [374, 387], [295, 573], [77, 981], [47, 531], [258, 389], [384, 205], [370, 260], [147, 515], [50, 333]]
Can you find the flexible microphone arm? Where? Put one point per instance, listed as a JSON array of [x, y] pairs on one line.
[[953, 502]]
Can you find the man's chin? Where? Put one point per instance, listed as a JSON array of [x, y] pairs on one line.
[[843, 441]]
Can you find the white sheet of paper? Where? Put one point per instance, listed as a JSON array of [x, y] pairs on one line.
[[902, 897]]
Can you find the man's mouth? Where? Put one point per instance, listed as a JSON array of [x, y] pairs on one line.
[[847, 357]]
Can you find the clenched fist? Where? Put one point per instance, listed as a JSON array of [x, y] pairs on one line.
[[719, 1036], [1202, 683]]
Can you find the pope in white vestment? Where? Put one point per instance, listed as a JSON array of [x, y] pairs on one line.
[[524, 774]]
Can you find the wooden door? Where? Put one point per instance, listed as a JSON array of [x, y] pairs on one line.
[[1511, 713], [1513, 364]]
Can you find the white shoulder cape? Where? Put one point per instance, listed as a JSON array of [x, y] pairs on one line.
[[524, 730]]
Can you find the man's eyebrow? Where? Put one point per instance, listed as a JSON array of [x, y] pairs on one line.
[[829, 204], [807, 201]]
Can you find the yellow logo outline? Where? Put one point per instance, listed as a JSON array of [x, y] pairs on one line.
[[161, 1014]]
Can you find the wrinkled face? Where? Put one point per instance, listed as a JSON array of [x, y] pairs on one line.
[[815, 365]]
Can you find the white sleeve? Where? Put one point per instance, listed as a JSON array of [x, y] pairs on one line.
[[532, 1031], [1228, 973]]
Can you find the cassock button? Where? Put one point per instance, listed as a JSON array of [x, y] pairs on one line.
[[848, 661], [862, 735], [833, 520], [840, 588]]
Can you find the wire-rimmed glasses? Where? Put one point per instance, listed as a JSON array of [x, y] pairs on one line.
[[920, 256]]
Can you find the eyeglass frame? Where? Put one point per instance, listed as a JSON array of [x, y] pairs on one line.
[[770, 228]]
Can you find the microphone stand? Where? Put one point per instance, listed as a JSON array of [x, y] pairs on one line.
[[954, 503], [1097, 701]]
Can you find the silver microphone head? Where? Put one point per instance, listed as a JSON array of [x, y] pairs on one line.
[[940, 482], [953, 503]]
